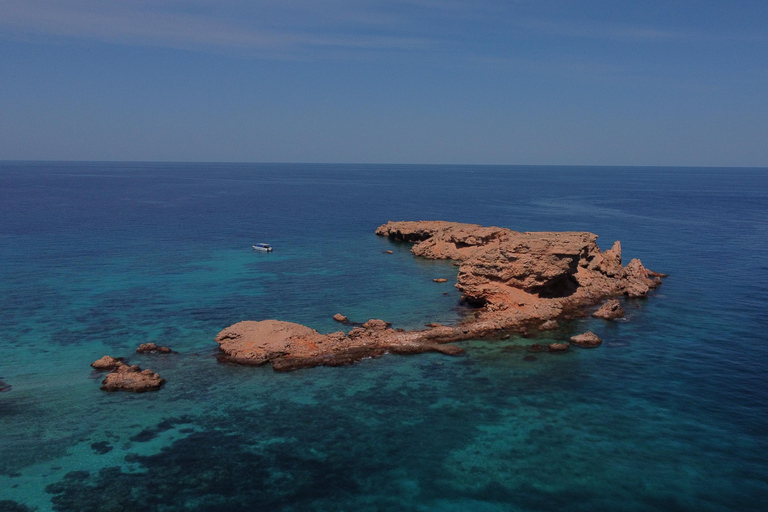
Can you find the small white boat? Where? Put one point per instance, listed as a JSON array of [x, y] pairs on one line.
[[262, 247]]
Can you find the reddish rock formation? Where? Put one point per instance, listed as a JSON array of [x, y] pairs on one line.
[[151, 348], [290, 346], [500, 268], [108, 363], [131, 378], [440, 280], [610, 310], [586, 340], [516, 280], [558, 347], [389, 252], [340, 318]]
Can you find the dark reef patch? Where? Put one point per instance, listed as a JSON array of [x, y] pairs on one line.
[[13, 506], [292, 456], [101, 447], [151, 433]]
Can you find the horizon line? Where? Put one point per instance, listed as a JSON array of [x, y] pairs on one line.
[[243, 162]]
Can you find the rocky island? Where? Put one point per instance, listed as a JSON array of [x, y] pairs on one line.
[[514, 280], [125, 377]]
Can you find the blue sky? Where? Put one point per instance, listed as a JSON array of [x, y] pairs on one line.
[[401, 81]]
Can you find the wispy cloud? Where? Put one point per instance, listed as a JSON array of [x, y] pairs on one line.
[[292, 28], [610, 31], [273, 27]]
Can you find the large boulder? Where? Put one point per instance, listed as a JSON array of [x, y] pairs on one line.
[[611, 310], [586, 340], [107, 363], [256, 343]]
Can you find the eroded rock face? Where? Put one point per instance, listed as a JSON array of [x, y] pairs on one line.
[[132, 378], [611, 310], [496, 263]]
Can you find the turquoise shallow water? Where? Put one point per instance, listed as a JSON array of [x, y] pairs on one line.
[[670, 413]]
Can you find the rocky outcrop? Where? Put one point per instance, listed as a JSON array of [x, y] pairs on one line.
[[558, 347], [586, 340], [290, 346], [497, 265], [151, 348], [132, 378], [440, 280], [515, 280], [340, 318], [107, 363], [124, 377], [611, 310]]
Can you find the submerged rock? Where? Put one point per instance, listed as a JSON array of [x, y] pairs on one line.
[[586, 340], [132, 378], [611, 310], [558, 347], [151, 348], [4, 386]]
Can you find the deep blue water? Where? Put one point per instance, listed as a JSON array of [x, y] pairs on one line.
[[670, 413]]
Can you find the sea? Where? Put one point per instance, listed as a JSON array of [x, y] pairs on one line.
[[670, 413]]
